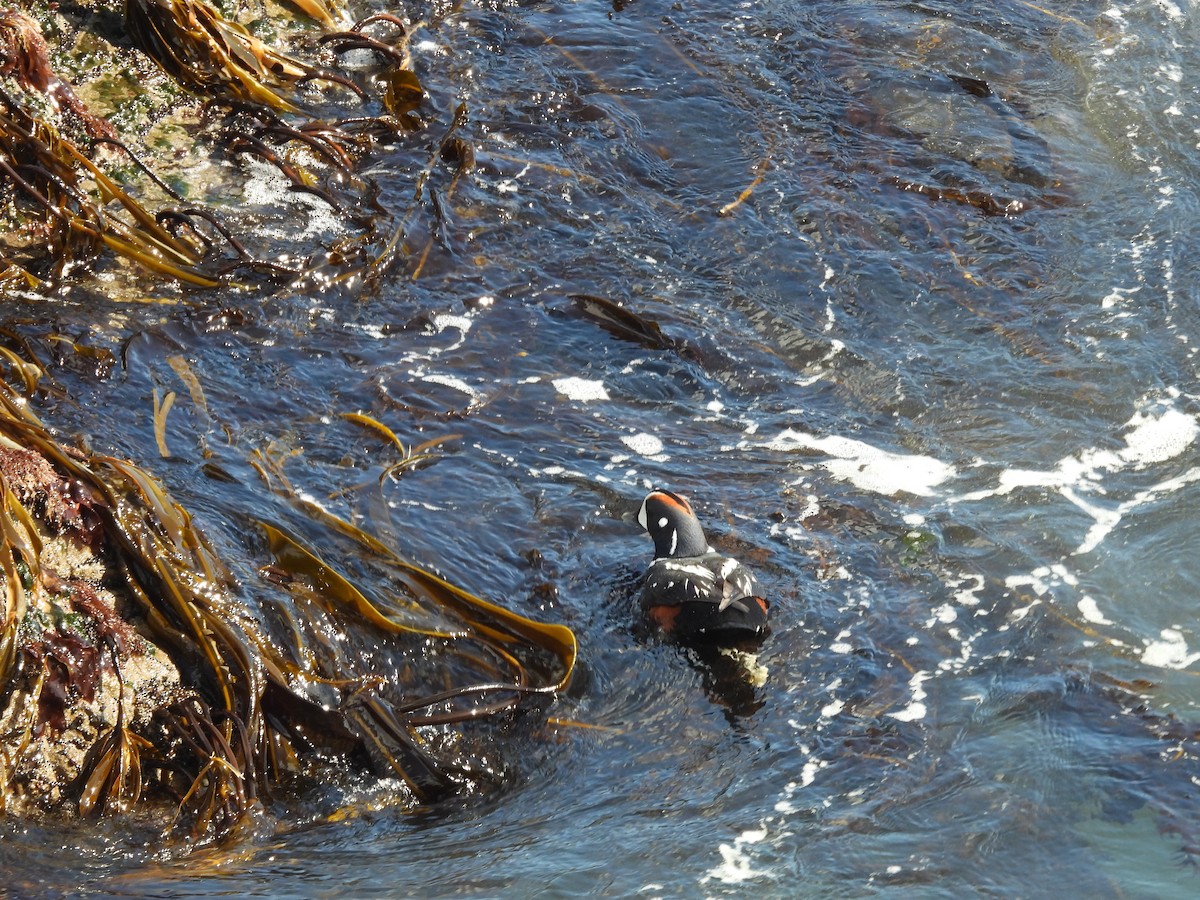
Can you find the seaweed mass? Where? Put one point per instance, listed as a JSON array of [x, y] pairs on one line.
[[135, 668]]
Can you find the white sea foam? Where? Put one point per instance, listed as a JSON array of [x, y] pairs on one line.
[[1170, 651], [1152, 440], [450, 381], [582, 390], [967, 596], [512, 185], [735, 866], [832, 708], [1155, 434], [1043, 579], [809, 773], [916, 707], [442, 321], [866, 467], [266, 186], [645, 445], [944, 614], [1148, 439], [1090, 610], [1171, 9]]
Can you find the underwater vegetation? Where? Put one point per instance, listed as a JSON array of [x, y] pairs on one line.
[[133, 665]]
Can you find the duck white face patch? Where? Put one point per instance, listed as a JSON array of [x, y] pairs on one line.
[[662, 523]]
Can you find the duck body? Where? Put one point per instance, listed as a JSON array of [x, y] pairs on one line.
[[691, 591]]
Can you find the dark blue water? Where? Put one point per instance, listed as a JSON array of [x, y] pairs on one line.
[[929, 275]]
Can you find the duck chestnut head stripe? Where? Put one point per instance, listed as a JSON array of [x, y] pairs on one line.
[[691, 591], [672, 525]]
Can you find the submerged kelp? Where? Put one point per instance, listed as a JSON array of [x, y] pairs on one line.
[[134, 667], [134, 664]]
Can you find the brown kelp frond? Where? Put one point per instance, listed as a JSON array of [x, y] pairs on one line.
[[494, 622], [29, 373], [987, 202], [389, 243], [184, 590], [71, 208], [327, 12], [412, 457], [433, 608], [61, 624], [402, 89], [334, 668], [356, 38], [18, 552], [623, 323], [301, 179], [213, 56], [487, 660], [395, 747], [185, 603], [212, 754], [387, 715], [69, 192], [416, 456], [489, 622], [334, 148], [16, 278], [20, 555], [58, 201], [315, 157], [66, 211], [110, 779], [457, 152], [112, 772], [335, 592]]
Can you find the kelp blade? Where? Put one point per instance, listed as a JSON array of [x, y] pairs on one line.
[[557, 639], [293, 557]]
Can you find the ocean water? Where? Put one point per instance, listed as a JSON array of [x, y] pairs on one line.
[[927, 276]]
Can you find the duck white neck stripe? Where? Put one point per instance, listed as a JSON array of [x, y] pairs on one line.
[[674, 541]]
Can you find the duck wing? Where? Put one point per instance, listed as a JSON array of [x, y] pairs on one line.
[[710, 578]]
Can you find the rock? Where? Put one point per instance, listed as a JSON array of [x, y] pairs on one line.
[[80, 667]]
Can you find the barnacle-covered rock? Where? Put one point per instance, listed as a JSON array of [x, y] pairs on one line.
[[79, 668]]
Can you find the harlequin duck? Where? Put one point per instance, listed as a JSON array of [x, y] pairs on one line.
[[691, 591]]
